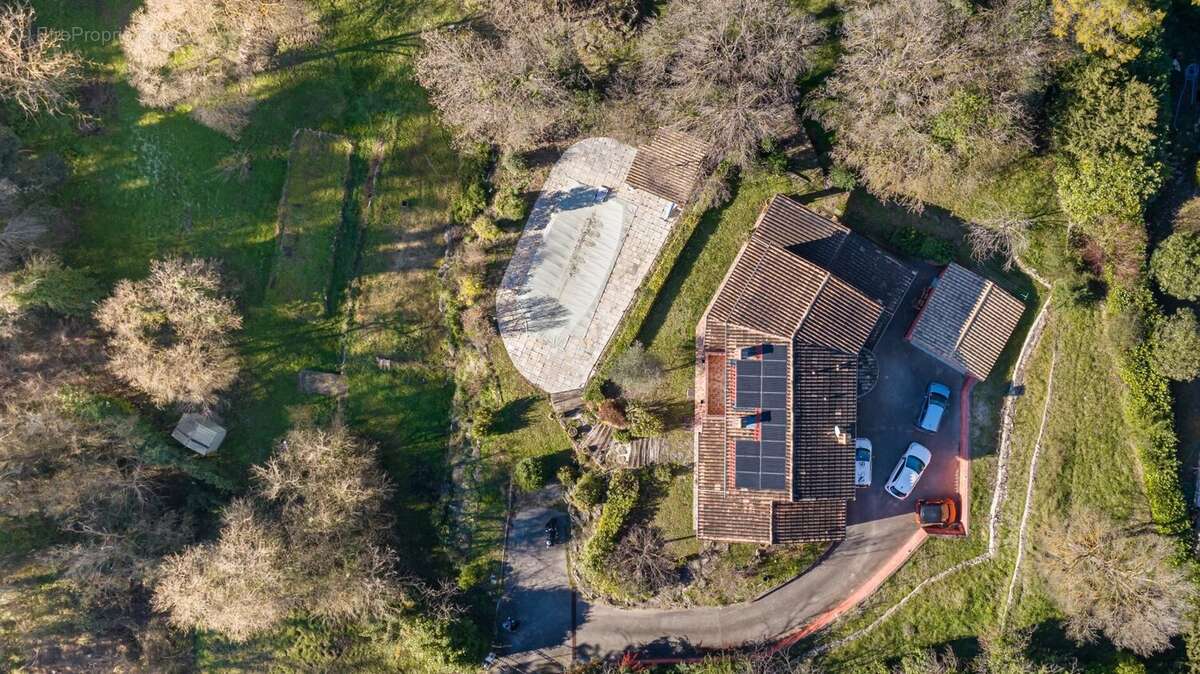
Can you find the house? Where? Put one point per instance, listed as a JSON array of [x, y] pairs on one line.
[[966, 321], [777, 376]]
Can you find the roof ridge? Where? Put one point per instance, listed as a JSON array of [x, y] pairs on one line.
[[970, 322]]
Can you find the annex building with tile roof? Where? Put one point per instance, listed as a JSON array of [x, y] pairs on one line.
[[777, 376], [966, 321]]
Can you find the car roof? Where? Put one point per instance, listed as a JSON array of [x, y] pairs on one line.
[[932, 417], [920, 451]]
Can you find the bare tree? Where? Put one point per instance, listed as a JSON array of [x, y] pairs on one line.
[[36, 73], [170, 333], [1117, 582], [726, 70], [84, 473], [513, 88], [1004, 233], [929, 97], [642, 556], [205, 52], [309, 537]]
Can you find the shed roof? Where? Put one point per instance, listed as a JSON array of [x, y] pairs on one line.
[[199, 433], [966, 321], [669, 166]]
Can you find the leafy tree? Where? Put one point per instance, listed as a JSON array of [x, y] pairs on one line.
[[1112, 28], [1188, 217], [1177, 346], [170, 333], [589, 490], [531, 473], [929, 99], [726, 71], [309, 537], [1106, 132], [1176, 265], [1118, 582], [204, 52], [36, 73]]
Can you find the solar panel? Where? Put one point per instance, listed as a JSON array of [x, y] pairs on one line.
[[762, 383]]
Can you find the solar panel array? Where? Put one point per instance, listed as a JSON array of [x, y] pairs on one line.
[[762, 392]]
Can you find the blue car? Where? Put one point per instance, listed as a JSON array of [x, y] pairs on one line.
[[937, 400]]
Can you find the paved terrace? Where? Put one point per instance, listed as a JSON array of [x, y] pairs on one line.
[[589, 242]]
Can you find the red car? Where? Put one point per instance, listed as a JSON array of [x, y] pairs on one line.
[[936, 513]]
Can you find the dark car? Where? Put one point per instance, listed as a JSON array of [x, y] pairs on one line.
[[936, 512], [933, 408], [551, 531]]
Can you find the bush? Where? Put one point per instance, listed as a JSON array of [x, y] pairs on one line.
[[1177, 346], [566, 475], [485, 229], [532, 473], [1176, 265], [469, 203], [589, 490], [842, 178], [644, 423], [509, 205], [476, 573], [44, 283], [470, 289], [609, 411], [622, 435], [915, 243]]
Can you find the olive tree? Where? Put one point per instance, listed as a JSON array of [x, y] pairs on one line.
[[169, 334], [726, 71]]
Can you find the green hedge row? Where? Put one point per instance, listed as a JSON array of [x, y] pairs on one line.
[[623, 490], [1148, 411]]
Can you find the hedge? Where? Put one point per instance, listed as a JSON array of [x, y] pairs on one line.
[[623, 490], [1148, 411]]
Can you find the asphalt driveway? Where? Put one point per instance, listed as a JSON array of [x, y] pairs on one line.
[[537, 593], [887, 416]]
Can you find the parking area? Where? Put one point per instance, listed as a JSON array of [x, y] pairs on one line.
[[887, 416]]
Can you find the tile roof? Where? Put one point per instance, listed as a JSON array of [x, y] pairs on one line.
[[783, 289], [966, 321], [669, 166]]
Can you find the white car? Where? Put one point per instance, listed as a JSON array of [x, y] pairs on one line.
[[862, 462], [908, 471]]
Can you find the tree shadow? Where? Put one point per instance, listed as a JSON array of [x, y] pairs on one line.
[[514, 416]]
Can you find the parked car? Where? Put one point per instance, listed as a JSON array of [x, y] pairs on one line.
[[862, 462], [551, 531], [936, 512], [908, 471], [937, 400]]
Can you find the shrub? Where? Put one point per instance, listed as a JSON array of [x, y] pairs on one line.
[[1177, 346], [622, 435], [44, 283], [485, 229], [1188, 217], [470, 289], [509, 205], [644, 423], [1176, 265], [637, 372], [589, 490], [469, 203], [476, 573], [532, 473], [842, 178], [483, 420], [915, 243], [610, 412]]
